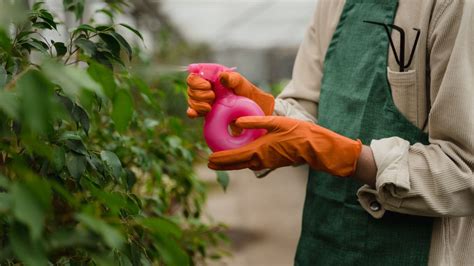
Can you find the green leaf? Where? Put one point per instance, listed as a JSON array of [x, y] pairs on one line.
[[5, 202], [48, 18], [104, 77], [58, 159], [5, 42], [42, 25], [122, 110], [171, 252], [38, 45], [111, 236], [80, 116], [106, 12], [112, 162], [31, 201], [71, 79], [36, 101], [28, 251], [9, 103], [85, 27], [61, 49], [111, 42], [89, 48], [132, 30], [22, 35], [4, 182], [65, 238], [3, 77], [123, 43], [76, 164], [37, 5], [223, 179], [76, 6], [161, 226]]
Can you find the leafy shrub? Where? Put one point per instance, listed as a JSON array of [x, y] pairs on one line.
[[92, 169]]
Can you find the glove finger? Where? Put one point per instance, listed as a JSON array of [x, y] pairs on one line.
[[237, 83], [199, 107], [191, 113], [201, 95], [237, 166], [270, 123], [235, 156], [196, 82]]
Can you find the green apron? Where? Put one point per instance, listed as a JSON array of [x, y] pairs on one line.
[[356, 102]]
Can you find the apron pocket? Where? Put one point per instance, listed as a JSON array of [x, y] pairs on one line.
[[404, 93]]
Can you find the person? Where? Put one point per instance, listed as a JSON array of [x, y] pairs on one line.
[[390, 144]]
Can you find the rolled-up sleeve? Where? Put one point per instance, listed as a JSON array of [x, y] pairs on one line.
[[436, 179]]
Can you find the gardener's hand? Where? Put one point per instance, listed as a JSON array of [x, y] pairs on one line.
[[290, 142], [201, 96]]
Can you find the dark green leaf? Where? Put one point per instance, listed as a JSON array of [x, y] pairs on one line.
[[85, 27], [96, 163], [123, 110], [61, 49], [88, 47], [80, 116], [3, 77], [31, 201], [38, 45], [132, 30], [58, 158], [5, 42], [123, 43], [22, 35], [48, 18], [112, 44], [28, 251], [76, 164], [112, 162], [223, 179], [131, 179], [111, 236], [104, 77], [104, 28], [42, 25]]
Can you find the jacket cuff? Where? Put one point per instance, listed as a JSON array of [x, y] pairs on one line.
[[393, 178]]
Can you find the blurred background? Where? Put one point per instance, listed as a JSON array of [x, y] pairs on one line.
[[261, 39]]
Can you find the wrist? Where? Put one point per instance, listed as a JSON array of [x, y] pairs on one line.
[[366, 168]]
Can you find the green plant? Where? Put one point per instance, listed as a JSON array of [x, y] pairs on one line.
[[92, 169]]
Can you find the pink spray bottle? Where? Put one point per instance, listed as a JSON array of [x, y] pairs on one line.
[[226, 109]]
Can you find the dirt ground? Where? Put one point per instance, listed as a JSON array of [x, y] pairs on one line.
[[263, 215]]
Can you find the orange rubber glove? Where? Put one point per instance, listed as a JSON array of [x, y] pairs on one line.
[[290, 142], [201, 95]]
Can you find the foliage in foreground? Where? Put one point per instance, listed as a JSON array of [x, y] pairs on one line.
[[92, 170]]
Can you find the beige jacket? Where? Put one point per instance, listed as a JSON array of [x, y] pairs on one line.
[[437, 95]]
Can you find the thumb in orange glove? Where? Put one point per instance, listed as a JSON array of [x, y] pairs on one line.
[[290, 142], [201, 96]]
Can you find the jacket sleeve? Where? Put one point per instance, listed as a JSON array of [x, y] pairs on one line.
[[436, 179], [300, 97]]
